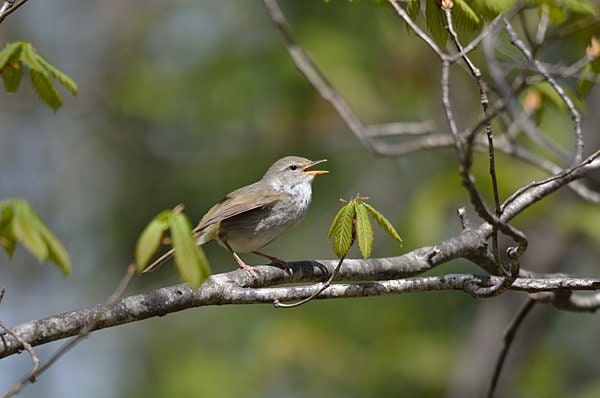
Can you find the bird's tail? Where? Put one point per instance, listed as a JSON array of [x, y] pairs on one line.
[[159, 261]]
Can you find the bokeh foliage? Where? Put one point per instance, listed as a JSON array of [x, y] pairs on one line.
[[197, 99]]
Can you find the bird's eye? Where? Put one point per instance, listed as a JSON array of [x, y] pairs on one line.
[[294, 167]]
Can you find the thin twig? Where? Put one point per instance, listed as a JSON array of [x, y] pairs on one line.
[[464, 219], [588, 161], [509, 335], [9, 7], [34, 359], [401, 128], [484, 101], [542, 26], [314, 75], [83, 333], [465, 165], [575, 115], [321, 288]]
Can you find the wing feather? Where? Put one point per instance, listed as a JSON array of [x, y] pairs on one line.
[[237, 203]]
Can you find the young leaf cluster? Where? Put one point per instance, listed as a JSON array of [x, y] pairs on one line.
[[353, 223], [19, 223], [468, 16], [191, 263], [42, 73]]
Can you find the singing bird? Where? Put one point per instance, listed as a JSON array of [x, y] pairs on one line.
[[251, 217]]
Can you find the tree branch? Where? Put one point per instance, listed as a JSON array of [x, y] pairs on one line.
[[225, 288]]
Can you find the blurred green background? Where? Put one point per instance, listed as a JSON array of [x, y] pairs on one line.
[[184, 101]]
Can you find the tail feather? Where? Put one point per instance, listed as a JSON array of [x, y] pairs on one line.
[[159, 261]]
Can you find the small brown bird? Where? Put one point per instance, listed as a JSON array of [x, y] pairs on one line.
[[251, 217]]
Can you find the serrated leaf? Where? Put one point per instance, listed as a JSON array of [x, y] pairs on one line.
[[342, 230], [412, 9], [7, 237], [45, 89], [464, 17], [59, 75], [150, 238], [30, 58], [364, 230], [189, 257], [10, 52], [25, 229], [29, 229], [335, 221], [56, 251], [12, 74], [9, 244], [383, 223], [435, 19]]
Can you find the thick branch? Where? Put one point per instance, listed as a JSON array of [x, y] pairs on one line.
[[224, 289]]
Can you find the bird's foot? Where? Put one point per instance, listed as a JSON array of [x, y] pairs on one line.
[[277, 262], [249, 269]]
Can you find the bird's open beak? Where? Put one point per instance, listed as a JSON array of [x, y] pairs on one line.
[[315, 172]]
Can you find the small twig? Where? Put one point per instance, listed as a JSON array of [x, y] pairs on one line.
[[36, 361], [314, 75], [575, 115], [114, 297], [567, 301], [8, 7], [542, 26], [586, 162], [464, 220], [509, 335], [401, 128], [483, 95], [320, 290]]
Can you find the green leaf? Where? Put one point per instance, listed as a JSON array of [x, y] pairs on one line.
[[189, 257], [35, 236], [45, 89], [464, 17], [18, 222], [10, 52], [149, 240], [12, 74], [336, 221], [412, 9], [29, 56], [383, 222], [56, 251], [364, 230], [7, 237], [26, 230], [56, 73], [42, 73], [342, 229], [435, 19]]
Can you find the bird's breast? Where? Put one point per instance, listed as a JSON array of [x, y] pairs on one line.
[[256, 228]]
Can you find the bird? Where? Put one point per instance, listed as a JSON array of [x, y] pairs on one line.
[[251, 217]]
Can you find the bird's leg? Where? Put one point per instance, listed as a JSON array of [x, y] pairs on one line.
[[276, 262], [240, 262]]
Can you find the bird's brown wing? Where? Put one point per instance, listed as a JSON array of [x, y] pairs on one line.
[[238, 202]]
